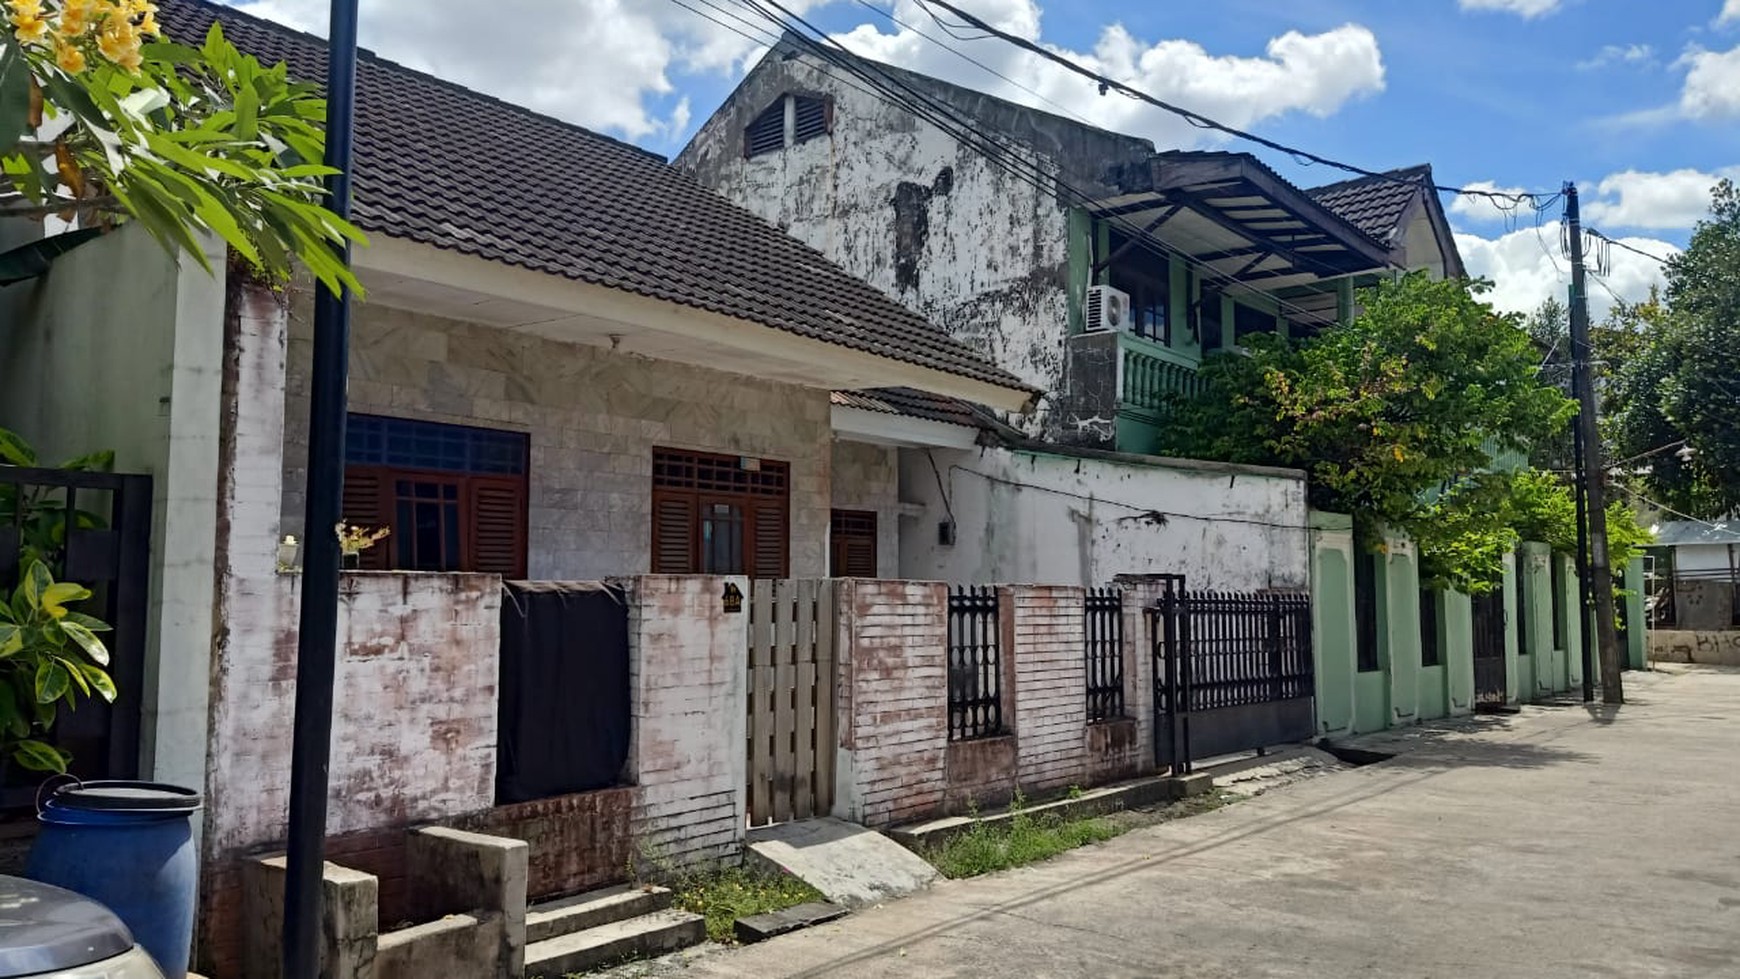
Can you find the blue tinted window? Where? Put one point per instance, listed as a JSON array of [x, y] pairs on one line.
[[375, 440]]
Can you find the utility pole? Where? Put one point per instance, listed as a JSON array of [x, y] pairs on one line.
[[1585, 600], [317, 630], [1599, 581]]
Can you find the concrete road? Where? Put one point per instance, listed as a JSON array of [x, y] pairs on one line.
[[1559, 842]]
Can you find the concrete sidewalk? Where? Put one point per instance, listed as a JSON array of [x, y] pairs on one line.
[[1561, 841]]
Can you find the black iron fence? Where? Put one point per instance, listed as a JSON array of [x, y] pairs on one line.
[[1104, 628], [92, 528], [975, 664], [1233, 672]]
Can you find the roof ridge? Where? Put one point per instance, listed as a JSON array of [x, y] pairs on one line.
[[1366, 178]]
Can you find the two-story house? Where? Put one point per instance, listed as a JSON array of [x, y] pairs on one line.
[[1103, 285]]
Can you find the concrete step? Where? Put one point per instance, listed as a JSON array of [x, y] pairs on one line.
[[565, 916], [619, 941]]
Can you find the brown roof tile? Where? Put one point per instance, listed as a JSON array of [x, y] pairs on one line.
[[1375, 205], [442, 165]]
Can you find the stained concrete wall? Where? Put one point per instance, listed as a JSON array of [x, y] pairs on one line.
[[593, 418], [120, 346], [867, 477], [902, 205], [1687, 646], [1024, 516], [688, 665]]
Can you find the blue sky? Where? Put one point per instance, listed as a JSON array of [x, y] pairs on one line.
[[1639, 102]]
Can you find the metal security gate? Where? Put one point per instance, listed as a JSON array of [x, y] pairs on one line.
[[791, 700], [1232, 672], [1489, 628]]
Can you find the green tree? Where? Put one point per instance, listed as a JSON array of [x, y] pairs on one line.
[[103, 120], [1394, 416], [1680, 386]]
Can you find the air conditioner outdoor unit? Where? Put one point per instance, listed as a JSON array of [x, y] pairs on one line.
[[1107, 309]]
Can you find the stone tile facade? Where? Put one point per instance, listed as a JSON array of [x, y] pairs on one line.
[[867, 477], [593, 418]]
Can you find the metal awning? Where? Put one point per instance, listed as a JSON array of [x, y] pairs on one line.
[[1240, 222]]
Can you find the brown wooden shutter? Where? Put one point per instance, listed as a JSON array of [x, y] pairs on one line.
[[852, 536], [498, 526], [368, 503], [673, 533], [769, 525]]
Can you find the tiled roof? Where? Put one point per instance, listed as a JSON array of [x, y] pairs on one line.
[[1673, 533], [1373, 204], [915, 404], [440, 164]]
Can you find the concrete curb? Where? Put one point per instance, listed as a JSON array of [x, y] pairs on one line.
[[1094, 802]]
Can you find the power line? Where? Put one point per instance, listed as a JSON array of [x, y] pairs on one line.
[[765, 38], [1200, 121], [1630, 248], [1639, 497]]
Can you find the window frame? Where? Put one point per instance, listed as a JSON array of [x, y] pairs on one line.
[[844, 527], [691, 480]]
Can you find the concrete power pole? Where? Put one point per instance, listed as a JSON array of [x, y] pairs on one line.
[[1600, 584]]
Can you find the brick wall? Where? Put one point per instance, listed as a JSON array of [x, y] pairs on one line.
[[689, 662], [592, 417], [1051, 684], [893, 700], [577, 842]]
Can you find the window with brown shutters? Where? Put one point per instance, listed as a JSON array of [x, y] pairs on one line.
[[719, 514], [454, 497], [852, 544]]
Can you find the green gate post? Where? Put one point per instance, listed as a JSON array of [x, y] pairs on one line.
[[1332, 626], [1535, 657], [1515, 653], [1575, 622], [1637, 638], [1457, 621], [1399, 602]]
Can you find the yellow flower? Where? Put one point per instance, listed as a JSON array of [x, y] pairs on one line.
[[32, 27], [70, 59], [148, 24], [119, 43]]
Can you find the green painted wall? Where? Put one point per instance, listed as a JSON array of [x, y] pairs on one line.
[[1434, 702], [1371, 702], [1399, 605], [1534, 577], [1332, 627], [1179, 299], [1571, 662], [1637, 640], [1081, 251], [1456, 617], [1514, 651]]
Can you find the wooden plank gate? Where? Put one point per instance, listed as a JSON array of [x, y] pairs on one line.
[[791, 699]]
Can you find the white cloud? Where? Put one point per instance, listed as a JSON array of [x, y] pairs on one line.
[[593, 62], [606, 63], [1311, 73], [1634, 199], [1527, 268], [1522, 8], [1730, 13], [1673, 200], [1712, 88], [1621, 54]]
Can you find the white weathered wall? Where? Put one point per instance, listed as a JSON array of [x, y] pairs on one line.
[[867, 477], [903, 206], [593, 418], [120, 346], [688, 665], [1055, 519], [1701, 557], [414, 704]]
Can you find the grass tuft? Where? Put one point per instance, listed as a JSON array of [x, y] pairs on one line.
[[724, 895]]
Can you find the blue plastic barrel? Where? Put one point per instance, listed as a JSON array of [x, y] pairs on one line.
[[129, 846]]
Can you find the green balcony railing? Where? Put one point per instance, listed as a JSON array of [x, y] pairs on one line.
[[1150, 378]]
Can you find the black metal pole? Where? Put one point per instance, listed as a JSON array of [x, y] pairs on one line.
[[317, 634], [1585, 597], [1592, 472]]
